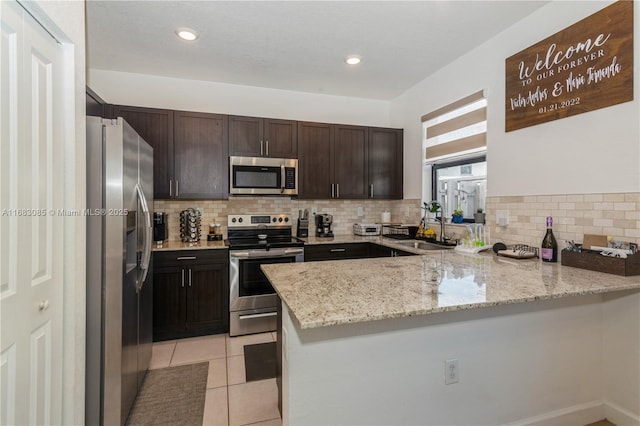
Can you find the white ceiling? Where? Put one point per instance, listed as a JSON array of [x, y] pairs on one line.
[[295, 45]]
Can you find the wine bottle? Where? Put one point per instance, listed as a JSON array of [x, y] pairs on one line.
[[549, 244]]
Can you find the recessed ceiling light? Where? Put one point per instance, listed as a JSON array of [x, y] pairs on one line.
[[352, 59], [186, 34]]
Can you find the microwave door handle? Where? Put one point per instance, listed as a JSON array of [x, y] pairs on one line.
[[282, 178]]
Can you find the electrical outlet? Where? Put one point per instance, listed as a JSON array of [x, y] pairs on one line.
[[450, 371], [360, 212], [201, 210], [502, 217], [314, 210]]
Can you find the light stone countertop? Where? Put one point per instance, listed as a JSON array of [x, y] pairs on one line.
[[320, 294]]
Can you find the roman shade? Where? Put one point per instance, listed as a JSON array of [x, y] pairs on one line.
[[457, 128]]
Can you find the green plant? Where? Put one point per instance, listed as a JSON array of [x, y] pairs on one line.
[[458, 212], [479, 211], [434, 206]]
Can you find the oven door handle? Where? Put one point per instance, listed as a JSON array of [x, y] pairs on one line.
[[256, 254], [253, 316]]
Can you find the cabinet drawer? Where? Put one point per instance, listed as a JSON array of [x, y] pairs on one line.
[[178, 257], [336, 251]]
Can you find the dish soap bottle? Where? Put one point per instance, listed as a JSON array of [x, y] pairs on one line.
[[420, 233], [549, 245]]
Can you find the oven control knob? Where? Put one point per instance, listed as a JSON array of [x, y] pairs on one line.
[[286, 219], [279, 219], [233, 220], [240, 220], [274, 220]]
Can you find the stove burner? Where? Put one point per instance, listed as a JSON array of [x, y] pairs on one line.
[[260, 231]]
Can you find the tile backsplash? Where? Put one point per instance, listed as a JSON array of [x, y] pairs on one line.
[[345, 212], [574, 215]]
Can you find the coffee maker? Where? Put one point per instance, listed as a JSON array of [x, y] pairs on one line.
[[323, 225], [303, 224]]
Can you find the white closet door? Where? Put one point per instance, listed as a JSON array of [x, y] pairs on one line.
[[31, 225]]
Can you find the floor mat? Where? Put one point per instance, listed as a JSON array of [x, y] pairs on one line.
[[171, 396], [260, 361]]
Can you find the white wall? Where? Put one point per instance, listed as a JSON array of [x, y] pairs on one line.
[[527, 363], [620, 367], [66, 20], [598, 151], [203, 96]]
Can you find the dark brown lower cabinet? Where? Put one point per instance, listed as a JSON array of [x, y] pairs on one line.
[[383, 251], [350, 251], [190, 293]]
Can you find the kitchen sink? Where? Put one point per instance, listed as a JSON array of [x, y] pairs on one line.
[[424, 245]]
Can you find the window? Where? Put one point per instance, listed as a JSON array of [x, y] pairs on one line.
[[455, 168]]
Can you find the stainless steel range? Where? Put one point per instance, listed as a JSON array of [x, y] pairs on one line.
[[254, 240]]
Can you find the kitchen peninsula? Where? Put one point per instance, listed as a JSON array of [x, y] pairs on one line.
[[365, 341]]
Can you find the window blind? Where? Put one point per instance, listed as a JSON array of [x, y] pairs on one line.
[[457, 128]]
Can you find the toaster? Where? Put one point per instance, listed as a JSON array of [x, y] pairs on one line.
[[367, 228]]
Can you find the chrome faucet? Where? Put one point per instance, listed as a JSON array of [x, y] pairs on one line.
[[433, 207], [441, 228]]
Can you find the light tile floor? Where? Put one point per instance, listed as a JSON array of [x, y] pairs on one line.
[[230, 400]]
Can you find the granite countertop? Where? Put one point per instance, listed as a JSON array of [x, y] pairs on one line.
[[179, 245], [320, 294]]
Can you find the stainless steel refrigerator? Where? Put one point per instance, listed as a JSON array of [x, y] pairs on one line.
[[119, 288]]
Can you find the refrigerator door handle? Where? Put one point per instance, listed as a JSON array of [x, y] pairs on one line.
[[146, 254]]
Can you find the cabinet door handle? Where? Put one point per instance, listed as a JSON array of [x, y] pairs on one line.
[[261, 149], [182, 281], [189, 277], [338, 250], [371, 191], [186, 258], [337, 190], [177, 188], [267, 147], [170, 187], [332, 191]]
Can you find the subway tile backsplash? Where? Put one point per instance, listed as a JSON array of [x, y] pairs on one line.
[[574, 215], [345, 212]]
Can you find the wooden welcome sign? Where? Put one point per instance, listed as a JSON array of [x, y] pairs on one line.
[[584, 67]]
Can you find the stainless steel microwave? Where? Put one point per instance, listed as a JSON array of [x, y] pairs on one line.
[[263, 176]]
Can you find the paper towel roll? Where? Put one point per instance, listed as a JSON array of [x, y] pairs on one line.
[[386, 217]]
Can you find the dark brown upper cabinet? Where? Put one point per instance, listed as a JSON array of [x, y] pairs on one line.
[[262, 137], [349, 166], [201, 155], [349, 162], [314, 150], [96, 106], [385, 163], [190, 151], [156, 127]]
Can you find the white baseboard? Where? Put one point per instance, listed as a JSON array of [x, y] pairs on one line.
[[619, 416], [581, 414]]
